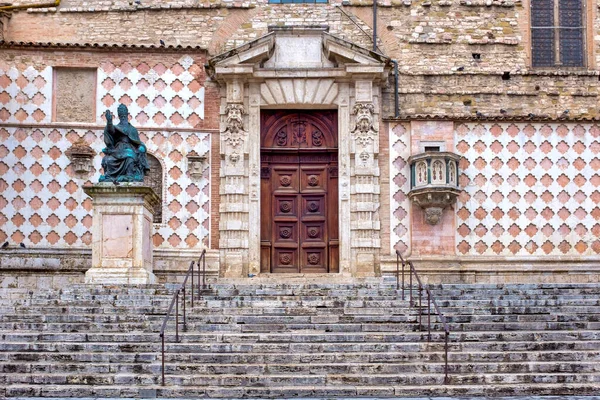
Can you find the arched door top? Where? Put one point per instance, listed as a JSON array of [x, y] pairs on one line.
[[283, 129]]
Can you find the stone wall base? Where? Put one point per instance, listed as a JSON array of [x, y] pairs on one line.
[[119, 276], [56, 269], [540, 270], [46, 268]]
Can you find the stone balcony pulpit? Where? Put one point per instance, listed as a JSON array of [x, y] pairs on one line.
[[434, 182], [121, 233]]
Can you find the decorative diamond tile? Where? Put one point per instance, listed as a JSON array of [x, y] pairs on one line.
[[542, 195], [400, 186], [42, 205], [157, 95], [25, 95]]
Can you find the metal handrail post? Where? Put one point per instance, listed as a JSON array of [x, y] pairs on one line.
[[162, 338], [199, 279], [420, 308], [410, 287], [192, 297], [177, 316], [184, 312], [204, 270], [428, 316], [402, 279], [446, 380], [397, 272]]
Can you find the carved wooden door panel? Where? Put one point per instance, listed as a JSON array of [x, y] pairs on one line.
[[299, 225]]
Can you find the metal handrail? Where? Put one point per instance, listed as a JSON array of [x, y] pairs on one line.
[[175, 303], [430, 300]]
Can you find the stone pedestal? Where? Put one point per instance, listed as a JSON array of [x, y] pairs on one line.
[[122, 233]]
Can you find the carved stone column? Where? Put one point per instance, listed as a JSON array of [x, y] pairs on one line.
[[346, 259], [254, 178], [365, 187], [233, 225]]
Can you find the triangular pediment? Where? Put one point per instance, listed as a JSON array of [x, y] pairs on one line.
[[296, 49]]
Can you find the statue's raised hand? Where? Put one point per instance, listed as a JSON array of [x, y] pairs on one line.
[[108, 116]]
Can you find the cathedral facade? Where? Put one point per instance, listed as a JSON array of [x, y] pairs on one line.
[[310, 137]]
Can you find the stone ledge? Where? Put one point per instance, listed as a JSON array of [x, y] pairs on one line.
[[166, 261], [501, 270], [135, 8], [429, 3]]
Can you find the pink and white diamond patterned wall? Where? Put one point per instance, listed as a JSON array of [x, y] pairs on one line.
[[41, 200], [25, 94], [42, 204], [529, 189], [157, 95], [400, 182]]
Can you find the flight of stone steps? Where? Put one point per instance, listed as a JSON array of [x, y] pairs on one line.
[[267, 340]]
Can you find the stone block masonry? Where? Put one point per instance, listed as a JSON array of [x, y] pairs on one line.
[[434, 42]]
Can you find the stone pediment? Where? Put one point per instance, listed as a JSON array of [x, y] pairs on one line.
[[298, 50]]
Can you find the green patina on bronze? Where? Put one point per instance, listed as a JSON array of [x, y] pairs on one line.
[[125, 154]]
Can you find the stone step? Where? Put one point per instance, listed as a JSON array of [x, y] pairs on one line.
[[122, 305], [387, 357], [523, 287], [475, 319], [576, 309], [311, 392], [300, 358], [72, 318], [278, 368], [77, 327], [274, 380], [238, 355], [303, 337], [266, 324], [543, 302], [293, 347], [523, 325]]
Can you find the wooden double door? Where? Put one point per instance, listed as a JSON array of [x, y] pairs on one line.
[[299, 192]]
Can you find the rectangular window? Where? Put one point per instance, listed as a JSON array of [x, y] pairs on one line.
[[558, 33], [296, 1]]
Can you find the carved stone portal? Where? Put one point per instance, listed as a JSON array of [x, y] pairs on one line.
[[294, 68]]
